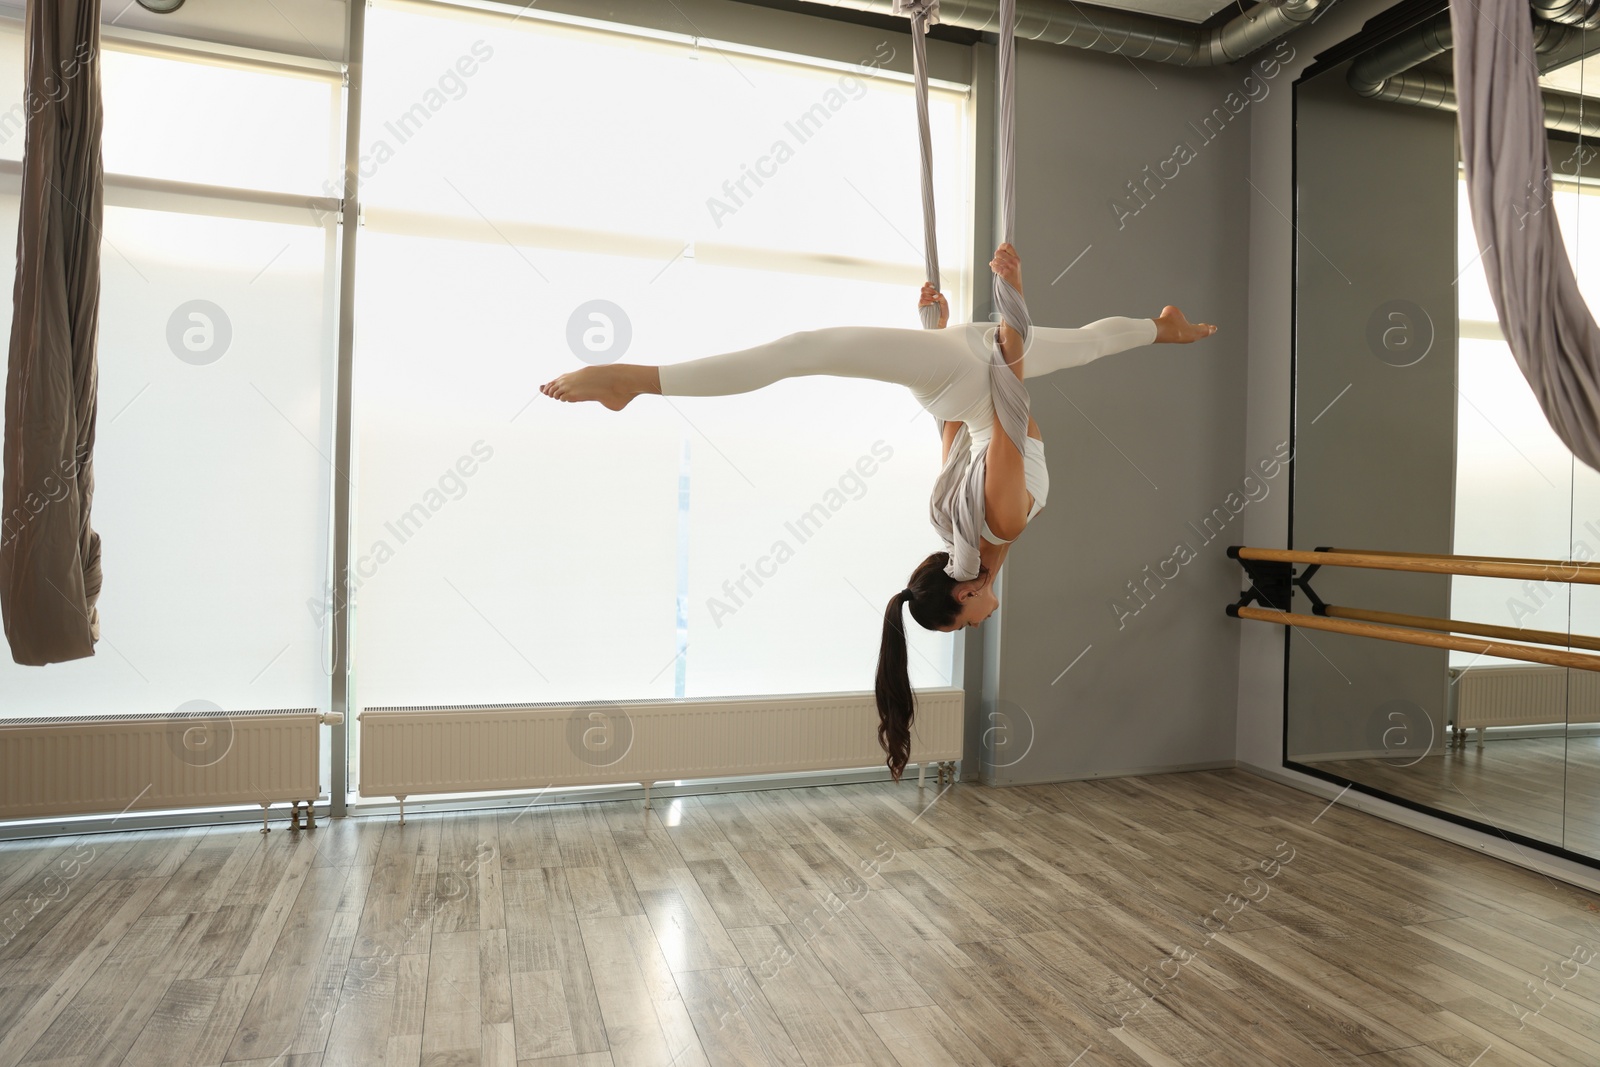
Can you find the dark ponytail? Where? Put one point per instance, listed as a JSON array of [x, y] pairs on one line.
[[931, 596]]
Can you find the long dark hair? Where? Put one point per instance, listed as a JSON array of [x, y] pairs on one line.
[[933, 604]]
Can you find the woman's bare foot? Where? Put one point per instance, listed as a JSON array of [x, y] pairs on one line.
[[613, 385], [1173, 327]]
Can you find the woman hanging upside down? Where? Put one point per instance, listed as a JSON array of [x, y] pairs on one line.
[[947, 370]]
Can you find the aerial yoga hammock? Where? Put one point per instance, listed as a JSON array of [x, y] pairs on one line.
[[970, 377]]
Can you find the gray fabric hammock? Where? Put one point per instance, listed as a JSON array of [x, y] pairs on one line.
[[1506, 155], [956, 508]]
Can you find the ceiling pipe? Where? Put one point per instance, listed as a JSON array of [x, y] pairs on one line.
[[1562, 111], [1375, 68], [1583, 14], [1126, 33], [1385, 72]]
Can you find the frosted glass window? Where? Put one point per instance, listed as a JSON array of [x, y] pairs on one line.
[[520, 172], [199, 122], [599, 133], [1473, 302], [212, 482]]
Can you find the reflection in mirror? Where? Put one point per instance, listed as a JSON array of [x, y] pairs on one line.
[[1416, 432]]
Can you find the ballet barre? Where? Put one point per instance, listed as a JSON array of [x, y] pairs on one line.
[[1273, 581], [1548, 570]]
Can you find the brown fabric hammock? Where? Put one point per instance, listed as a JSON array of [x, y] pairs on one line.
[[49, 554]]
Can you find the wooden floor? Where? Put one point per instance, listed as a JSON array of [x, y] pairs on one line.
[[1545, 788], [1209, 918]]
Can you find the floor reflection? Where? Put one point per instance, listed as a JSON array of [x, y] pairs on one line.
[[1546, 788]]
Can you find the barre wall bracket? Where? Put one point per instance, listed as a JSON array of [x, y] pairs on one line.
[[1272, 584]]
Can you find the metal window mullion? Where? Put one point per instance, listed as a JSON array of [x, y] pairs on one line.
[[343, 436], [648, 247], [195, 198]]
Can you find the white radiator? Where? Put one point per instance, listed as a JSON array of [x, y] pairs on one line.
[[54, 767], [1522, 695], [416, 751]]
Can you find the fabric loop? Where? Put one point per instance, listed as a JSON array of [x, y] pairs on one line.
[[957, 506], [923, 13], [930, 235]]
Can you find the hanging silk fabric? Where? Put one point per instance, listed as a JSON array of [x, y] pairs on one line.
[[1505, 159], [956, 508]]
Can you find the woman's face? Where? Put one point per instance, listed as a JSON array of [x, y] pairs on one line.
[[977, 602]]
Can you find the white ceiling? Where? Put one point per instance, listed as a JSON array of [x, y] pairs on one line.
[[1575, 77]]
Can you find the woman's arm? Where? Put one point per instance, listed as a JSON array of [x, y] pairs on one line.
[[1006, 500], [947, 431]]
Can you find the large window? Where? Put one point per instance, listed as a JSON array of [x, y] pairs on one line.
[[216, 390], [537, 194], [542, 195]]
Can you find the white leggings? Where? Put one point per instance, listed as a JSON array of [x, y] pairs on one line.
[[946, 370]]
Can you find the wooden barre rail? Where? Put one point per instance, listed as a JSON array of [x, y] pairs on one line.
[[1567, 571], [1444, 555], [1406, 636], [1428, 622]]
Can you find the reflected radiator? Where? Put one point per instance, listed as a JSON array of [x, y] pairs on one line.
[[1530, 695], [52, 767], [417, 751]]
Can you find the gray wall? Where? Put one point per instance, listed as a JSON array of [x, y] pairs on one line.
[[1259, 741], [1142, 443], [1374, 451]]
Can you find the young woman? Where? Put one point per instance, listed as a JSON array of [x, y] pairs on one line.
[[947, 370]]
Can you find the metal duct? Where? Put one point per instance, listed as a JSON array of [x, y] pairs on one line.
[[1373, 69], [1421, 43], [1584, 14], [1126, 33], [1385, 73], [1562, 111]]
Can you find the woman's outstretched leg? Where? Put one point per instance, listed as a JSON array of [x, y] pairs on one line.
[[881, 353], [1052, 348], [613, 385]]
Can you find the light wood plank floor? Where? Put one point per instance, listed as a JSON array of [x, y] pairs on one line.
[[1208, 918]]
